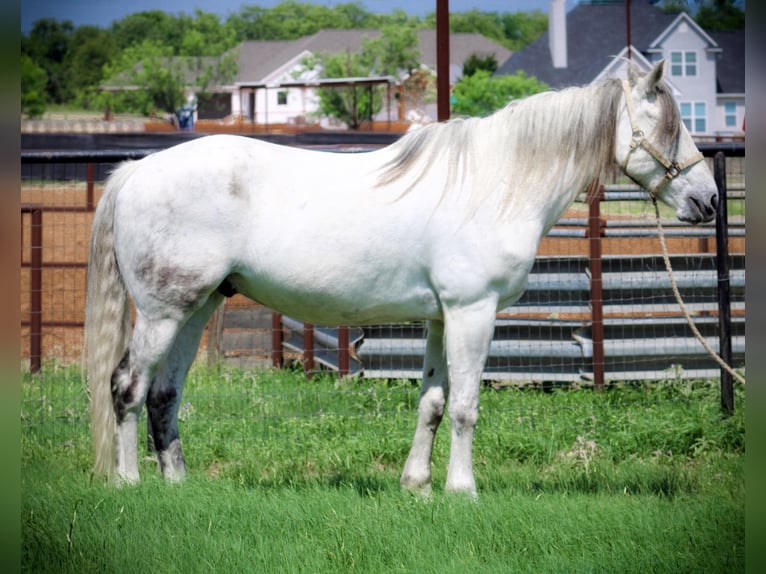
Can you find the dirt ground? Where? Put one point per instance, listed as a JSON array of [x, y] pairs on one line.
[[65, 248]]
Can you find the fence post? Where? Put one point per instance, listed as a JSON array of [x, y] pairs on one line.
[[36, 289], [308, 349], [595, 195], [724, 294], [343, 358], [90, 178], [277, 358]]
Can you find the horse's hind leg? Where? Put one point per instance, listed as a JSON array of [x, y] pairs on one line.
[[164, 396], [151, 341], [433, 395]]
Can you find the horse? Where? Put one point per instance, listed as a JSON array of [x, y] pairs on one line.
[[442, 226]]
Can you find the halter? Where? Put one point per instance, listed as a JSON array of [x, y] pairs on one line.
[[672, 168]]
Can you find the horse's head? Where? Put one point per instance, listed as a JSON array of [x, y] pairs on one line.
[[655, 150]]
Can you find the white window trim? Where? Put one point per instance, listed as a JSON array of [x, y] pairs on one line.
[[684, 63], [693, 117]]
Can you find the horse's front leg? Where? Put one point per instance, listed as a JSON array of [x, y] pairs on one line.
[[468, 335], [433, 397]]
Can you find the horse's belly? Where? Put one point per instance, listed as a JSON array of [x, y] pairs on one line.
[[348, 299]]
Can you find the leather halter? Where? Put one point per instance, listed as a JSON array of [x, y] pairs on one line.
[[672, 168]]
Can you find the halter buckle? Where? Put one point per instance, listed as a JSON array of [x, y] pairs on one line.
[[674, 170], [638, 137]]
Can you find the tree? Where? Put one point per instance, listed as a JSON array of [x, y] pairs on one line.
[[481, 94], [286, 21], [487, 24], [149, 80], [155, 75], [91, 49], [720, 15], [523, 28], [351, 105], [724, 15], [394, 53], [152, 25], [474, 63], [514, 30], [33, 82], [47, 45]]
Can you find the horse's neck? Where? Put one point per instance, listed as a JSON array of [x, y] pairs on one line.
[[548, 182]]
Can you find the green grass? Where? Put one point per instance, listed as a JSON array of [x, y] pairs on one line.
[[296, 475]]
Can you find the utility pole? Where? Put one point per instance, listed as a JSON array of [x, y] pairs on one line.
[[442, 60], [627, 24]]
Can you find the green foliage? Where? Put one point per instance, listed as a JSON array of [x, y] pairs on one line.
[[711, 14], [482, 93], [194, 51], [514, 30], [351, 105], [77, 61], [33, 82], [91, 49], [523, 28], [47, 45], [720, 15], [395, 52], [290, 20], [474, 63], [154, 26], [147, 66], [204, 35]]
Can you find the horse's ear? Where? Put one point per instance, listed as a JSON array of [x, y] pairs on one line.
[[654, 77]]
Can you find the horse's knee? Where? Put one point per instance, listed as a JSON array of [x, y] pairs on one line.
[[463, 415]]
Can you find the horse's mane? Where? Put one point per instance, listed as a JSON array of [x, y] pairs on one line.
[[537, 141]]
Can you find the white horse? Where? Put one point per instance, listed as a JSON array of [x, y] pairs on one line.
[[442, 226]]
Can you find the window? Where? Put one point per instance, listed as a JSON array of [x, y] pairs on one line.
[[683, 63], [282, 97], [694, 116], [730, 114]]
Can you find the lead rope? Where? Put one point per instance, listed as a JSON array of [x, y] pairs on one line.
[[681, 303]]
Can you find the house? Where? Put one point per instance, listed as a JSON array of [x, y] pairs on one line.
[[272, 86], [706, 70]]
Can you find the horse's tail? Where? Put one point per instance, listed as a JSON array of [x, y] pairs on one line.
[[107, 322]]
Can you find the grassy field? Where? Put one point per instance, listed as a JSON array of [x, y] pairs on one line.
[[296, 475]]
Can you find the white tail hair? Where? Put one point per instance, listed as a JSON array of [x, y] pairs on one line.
[[107, 322]]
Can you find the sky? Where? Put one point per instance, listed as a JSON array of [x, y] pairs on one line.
[[103, 12]]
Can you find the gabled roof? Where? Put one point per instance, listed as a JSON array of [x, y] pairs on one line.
[[596, 33], [682, 17], [258, 59], [255, 60]]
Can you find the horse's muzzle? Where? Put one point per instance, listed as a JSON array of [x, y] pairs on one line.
[[699, 208]]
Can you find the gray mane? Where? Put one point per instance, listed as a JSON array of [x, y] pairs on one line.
[[539, 138]]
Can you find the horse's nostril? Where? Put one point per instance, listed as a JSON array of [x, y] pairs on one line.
[[714, 201]]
